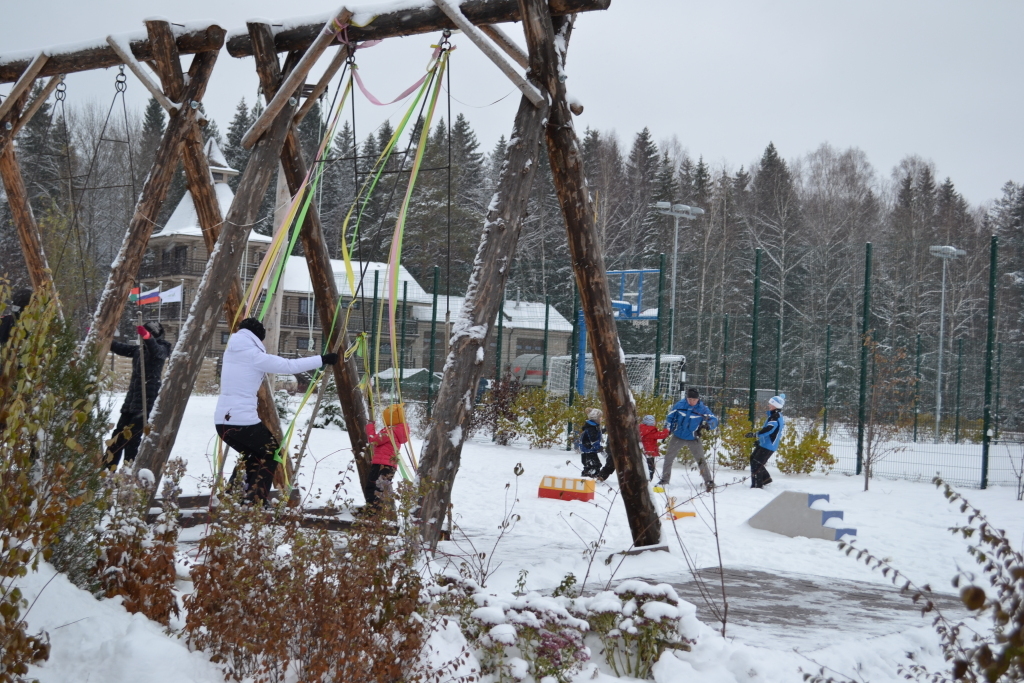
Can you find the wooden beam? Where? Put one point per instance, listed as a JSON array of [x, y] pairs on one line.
[[24, 220], [140, 73], [318, 260], [506, 43], [166, 58], [566, 159], [204, 198], [25, 81], [74, 58], [198, 332], [481, 41], [440, 458], [296, 77], [408, 22], [125, 271], [321, 85], [7, 135]]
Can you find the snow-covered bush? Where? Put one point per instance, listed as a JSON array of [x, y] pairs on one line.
[[553, 636], [136, 559]]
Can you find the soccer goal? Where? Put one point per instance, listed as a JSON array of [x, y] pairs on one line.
[[639, 372]]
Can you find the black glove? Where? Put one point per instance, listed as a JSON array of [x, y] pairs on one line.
[[748, 435], [329, 358]]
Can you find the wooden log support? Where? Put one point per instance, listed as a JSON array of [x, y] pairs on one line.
[[199, 181], [25, 81], [318, 260], [125, 270], [24, 220], [74, 58], [485, 45], [409, 21], [296, 77], [595, 297], [7, 135], [129, 60], [502, 40], [440, 458], [201, 325], [321, 85]]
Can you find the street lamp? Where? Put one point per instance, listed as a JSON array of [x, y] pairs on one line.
[[945, 253], [677, 211]]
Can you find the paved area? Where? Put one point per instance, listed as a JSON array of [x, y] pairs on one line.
[[807, 612]]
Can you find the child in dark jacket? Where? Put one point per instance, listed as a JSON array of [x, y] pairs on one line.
[[590, 443], [386, 444], [650, 435]]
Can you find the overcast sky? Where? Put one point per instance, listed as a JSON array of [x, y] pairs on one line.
[[935, 78]]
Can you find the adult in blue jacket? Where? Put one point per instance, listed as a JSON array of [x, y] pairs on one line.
[[687, 419], [768, 438]]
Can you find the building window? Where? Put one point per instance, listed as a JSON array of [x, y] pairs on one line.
[[224, 337], [305, 343]]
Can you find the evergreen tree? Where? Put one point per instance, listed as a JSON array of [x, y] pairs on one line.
[[152, 132], [236, 155]]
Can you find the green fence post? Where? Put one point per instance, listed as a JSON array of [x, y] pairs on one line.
[[999, 378], [725, 363], [657, 325], [828, 355], [572, 359], [433, 334], [401, 350], [865, 332], [778, 352], [959, 378], [917, 386], [501, 326], [752, 398], [986, 435], [547, 318]]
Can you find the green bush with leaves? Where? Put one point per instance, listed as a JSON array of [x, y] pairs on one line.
[[51, 440], [805, 453], [735, 449], [541, 418]]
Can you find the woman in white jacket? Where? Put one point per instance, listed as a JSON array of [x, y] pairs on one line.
[[245, 362]]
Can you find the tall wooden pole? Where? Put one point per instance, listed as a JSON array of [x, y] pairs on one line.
[[133, 248], [442, 450], [318, 259], [588, 263], [221, 268]]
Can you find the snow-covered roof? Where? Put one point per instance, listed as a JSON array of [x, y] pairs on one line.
[[520, 315], [296, 279], [184, 220], [216, 158]]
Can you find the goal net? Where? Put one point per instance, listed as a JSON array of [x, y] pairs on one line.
[[639, 373]]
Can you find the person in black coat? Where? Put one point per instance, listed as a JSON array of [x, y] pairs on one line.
[[155, 351], [19, 301]]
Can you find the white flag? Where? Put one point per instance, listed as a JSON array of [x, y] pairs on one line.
[[171, 296]]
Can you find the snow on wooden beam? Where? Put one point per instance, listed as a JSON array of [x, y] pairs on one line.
[[66, 59], [140, 73], [297, 76], [418, 17], [485, 45], [25, 81]]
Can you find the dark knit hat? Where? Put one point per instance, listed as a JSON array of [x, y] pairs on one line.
[[692, 393], [155, 329], [21, 298]]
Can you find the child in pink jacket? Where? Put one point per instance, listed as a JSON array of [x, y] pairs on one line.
[[386, 444]]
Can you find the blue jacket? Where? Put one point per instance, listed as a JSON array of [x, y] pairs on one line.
[[684, 419], [590, 438], [770, 434]]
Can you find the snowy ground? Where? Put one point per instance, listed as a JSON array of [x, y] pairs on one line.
[[797, 601]]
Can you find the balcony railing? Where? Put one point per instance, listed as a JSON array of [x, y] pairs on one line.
[[150, 271]]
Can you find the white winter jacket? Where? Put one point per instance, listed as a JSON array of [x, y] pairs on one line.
[[245, 362]]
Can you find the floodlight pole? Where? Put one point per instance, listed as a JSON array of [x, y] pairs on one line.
[[677, 211]]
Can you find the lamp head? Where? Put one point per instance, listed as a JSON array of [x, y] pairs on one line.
[[946, 251]]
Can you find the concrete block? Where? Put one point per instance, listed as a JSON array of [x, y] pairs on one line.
[[791, 514]]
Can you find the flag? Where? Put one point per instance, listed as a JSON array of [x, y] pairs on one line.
[[172, 295], [150, 297]]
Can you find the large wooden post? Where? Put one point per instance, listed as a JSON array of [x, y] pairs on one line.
[[222, 266], [318, 260], [125, 270], [442, 451], [17, 200], [204, 197], [588, 263]]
